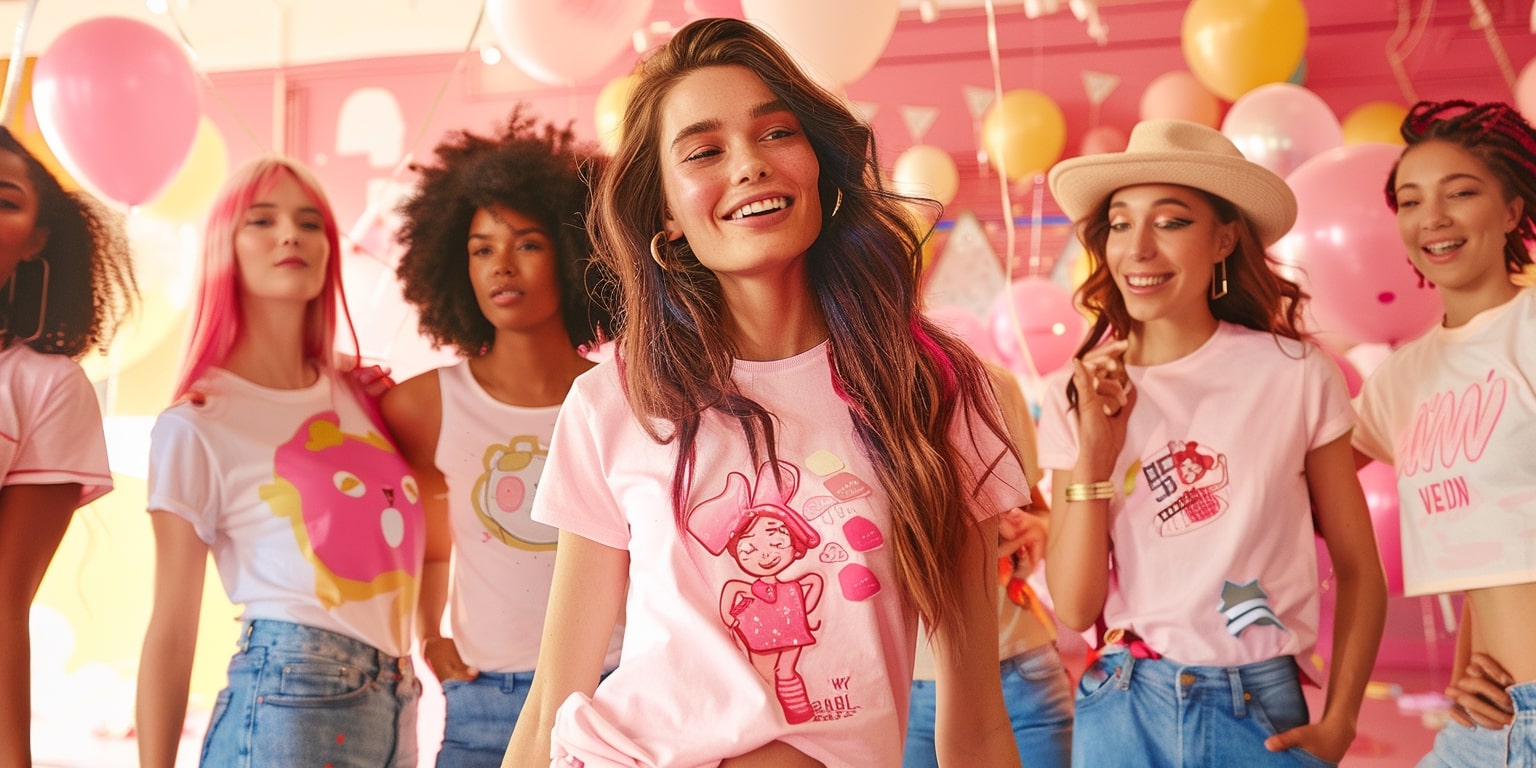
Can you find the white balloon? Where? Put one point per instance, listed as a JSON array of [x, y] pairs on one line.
[[837, 41], [927, 171], [561, 42]]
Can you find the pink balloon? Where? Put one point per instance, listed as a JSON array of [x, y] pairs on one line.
[[118, 103], [1101, 139], [1177, 95], [561, 42], [713, 9], [1346, 251], [1379, 481], [967, 326], [1050, 325], [1525, 91], [1352, 378], [1280, 126]]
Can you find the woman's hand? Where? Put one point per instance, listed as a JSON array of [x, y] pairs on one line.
[[1105, 398], [1024, 533], [374, 380], [442, 657], [1480, 697]]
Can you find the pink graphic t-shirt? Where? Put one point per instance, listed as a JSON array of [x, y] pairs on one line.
[[50, 424], [311, 515], [774, 613], [1213, 560], [1454, 412]]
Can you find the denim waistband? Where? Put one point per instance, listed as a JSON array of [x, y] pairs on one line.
[[1044, 649], [288, 636], [1524, 696], [1185, 679]]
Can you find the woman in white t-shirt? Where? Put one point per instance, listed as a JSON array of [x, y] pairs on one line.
[[498, 263], [275, 461], [784, 465], [1200, 443], [1455, 412], [65, 279]]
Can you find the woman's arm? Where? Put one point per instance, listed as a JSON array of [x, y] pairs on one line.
[[584, 600], [1361, 608], [413, 411], [33, 519], [165, 666], [971, 726]]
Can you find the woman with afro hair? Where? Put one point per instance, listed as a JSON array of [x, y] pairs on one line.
[[497, 263]]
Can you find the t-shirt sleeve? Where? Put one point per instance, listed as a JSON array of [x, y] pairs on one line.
[[1372, 435], [988, 467], [64, 442], [574, 493], [1058, 428], [1016, 417], [1328, 407], [183, 477]]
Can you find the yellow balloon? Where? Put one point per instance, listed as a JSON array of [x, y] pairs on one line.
[[1023, 133], [192, 189], [1378, 122], [1234, 46], [609, 112]]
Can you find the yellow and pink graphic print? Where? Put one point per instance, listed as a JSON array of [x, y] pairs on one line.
[[355, 510], [1188, 482], [503, 494]]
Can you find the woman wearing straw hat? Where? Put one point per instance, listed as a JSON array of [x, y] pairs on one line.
[[1200, 442]]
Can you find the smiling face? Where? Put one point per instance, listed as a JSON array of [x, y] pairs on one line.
[[765, 548], [281, 249], [20, 237], [1453, 217], [738, 173], [513, 271], [1163, 243]]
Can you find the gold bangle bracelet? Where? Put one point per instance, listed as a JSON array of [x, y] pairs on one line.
[[1096, 491]]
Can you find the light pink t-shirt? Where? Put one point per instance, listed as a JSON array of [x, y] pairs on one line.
[[492, 455], [1213, 560], [1455, 412], [50, 424], [794, 574], [311, 515]]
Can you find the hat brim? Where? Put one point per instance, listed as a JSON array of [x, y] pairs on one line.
[[1082, 183]]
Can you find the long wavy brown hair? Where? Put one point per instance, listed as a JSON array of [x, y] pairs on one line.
[[1257, 296], [905, 381]]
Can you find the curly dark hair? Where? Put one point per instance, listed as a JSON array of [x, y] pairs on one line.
[[90, 274], [538, 171]]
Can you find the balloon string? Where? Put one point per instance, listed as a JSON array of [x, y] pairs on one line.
[[1002, 181], [1397, 51], [1480, 12], [18, 62], [191, 49]]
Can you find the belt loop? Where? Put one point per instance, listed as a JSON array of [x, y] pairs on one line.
[[1239, 697], [245, 637], [1125, 672]]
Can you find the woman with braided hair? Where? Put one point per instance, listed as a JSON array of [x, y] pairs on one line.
[[1455, 412]]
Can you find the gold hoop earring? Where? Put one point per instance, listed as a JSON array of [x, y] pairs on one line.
[[1219, 280], [42, 301], [656, 251], [837, 204]]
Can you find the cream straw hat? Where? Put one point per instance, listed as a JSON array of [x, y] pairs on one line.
[[1183, 153]]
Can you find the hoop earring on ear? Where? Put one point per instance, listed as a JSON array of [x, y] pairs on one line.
[[656, 251], [42, 302], [1219, 280], [837, 204]]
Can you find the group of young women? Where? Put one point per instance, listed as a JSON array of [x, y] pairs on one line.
[[716, 547]]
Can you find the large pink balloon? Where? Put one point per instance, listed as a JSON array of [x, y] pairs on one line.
[[1346, 251], [1280, 126], [561, 42], [837, 42], [1177, 95], [117, 101], [1050, 325], [1379, 481], [967, 326]]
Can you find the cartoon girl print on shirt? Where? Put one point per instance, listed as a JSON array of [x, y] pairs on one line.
[[501, 495], [1187, 481], [769, 616], [356, 513]]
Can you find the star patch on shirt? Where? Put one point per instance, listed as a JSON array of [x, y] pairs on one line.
[[1245, 605]]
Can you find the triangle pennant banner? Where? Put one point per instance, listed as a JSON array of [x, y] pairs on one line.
[[1099, 85], [919, 120], [979, 100], [967, 273]]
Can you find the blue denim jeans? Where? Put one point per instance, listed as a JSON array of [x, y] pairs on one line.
[[480, 716], [1513, 747], [1145, 712], [1038, 696], [298, 695]]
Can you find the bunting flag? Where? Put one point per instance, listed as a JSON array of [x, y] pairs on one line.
[[865, 110], [1099, 85], [967, 273], [979, 100], [919, 120]]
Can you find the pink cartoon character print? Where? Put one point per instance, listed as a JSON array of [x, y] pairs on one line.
[[356, 513], [769, 615], [501, 495], [1187, 480]]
